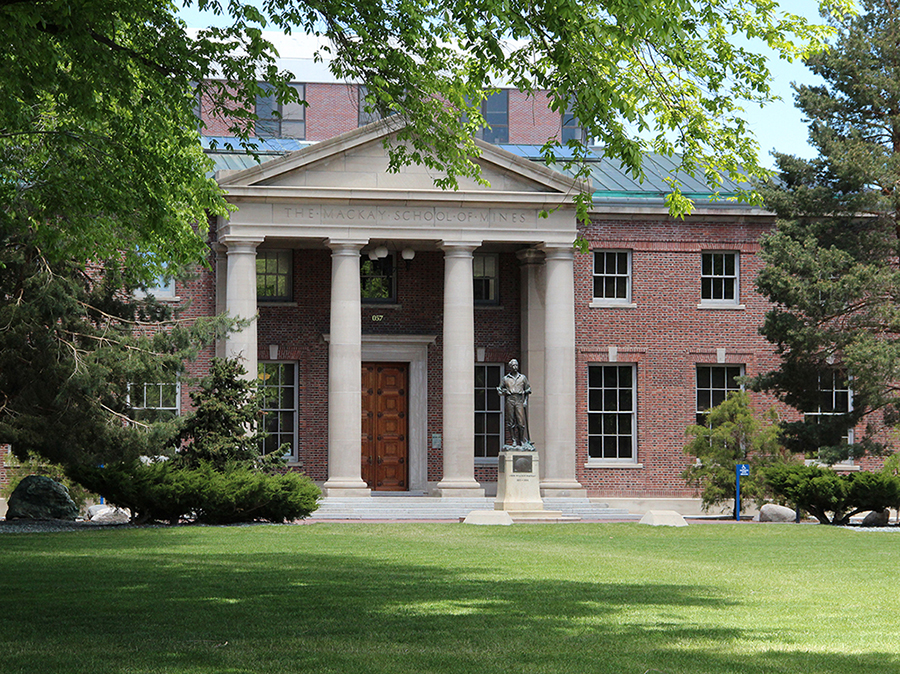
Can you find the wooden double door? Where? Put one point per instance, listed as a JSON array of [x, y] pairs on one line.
[[385, 410]]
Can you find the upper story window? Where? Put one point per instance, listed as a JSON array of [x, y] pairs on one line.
[[365, 116], [377, 279], [612, 413], [571, 128], [714, 383], [280, 120], [719, 277], [485, 277], [495, 110], [273, 275], [612, 277]]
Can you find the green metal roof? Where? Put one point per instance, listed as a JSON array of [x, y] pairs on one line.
[[611, 180]]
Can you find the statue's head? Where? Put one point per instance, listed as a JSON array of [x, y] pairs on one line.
[[514, 365]]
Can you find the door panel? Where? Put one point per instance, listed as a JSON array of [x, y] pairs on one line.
[[384, 426]]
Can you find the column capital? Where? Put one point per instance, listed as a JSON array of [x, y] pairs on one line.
[[558, 251], [346, 246], [241, 245], [529, 256], [458, 248]]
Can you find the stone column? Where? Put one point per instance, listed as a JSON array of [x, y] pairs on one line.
[[240, 300], [344, 373], [221, 291], [459, 373], [532, 332], [559, 367]]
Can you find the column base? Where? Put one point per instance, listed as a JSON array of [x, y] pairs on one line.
[[459, 489], [346, 488], [563, 489]]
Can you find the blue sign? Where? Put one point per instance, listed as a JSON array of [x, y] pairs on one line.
[[740, 470]]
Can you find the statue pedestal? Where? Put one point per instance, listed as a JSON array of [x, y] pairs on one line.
[[518, 488]]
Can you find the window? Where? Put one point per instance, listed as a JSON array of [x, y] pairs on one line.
[[495, 110], [277, 389], [719, 277], [273, 275], [571, 128], [612, 276], [714, 383], [163, 288], [280, 120], [835, 398], [488, 411], [154, 402], [377, 280], [484, 266], [611, 412]]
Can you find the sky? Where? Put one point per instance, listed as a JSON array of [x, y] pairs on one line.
[[779, 126]]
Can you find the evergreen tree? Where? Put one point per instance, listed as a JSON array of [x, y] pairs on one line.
[[72, 342], [831, 268], [222, 429], [733, 435]]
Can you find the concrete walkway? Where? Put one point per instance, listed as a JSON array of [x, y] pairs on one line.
[[420, 507]]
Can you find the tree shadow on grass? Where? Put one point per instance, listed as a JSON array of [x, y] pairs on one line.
[[139, 610]]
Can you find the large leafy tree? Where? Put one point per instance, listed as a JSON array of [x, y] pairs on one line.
[[100, 159], [832, 263]]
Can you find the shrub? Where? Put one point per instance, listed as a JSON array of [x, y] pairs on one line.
[[833, 498], [162, 491], [733, 435]]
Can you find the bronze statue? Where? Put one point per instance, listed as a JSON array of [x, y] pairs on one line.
[[515, 389]]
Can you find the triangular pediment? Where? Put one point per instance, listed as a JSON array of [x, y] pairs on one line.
[[359, 160]]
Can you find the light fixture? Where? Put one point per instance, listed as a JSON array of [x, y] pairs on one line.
[[380, 252], [407, 254]]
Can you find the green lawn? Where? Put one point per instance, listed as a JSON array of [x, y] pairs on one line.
[[345, 598]]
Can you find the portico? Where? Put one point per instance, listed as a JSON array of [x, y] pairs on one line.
[[338, 196]]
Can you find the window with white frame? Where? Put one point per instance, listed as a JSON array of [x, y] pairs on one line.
[[714, 383], [719, 277], [611, 413], [612, 276], [149, 403], [835, 397], [485, 276], [273, 275], [277, 391], [488, 411], [280, 120]]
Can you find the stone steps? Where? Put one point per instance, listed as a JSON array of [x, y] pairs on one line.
[[432, 508]]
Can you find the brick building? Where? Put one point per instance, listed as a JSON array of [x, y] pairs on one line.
[[384, 309]]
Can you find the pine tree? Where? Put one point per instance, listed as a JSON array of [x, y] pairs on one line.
[[831, 268]]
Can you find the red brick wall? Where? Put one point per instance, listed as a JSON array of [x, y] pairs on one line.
[[531, 121], [333, 109], [666, 335], [298, 330]]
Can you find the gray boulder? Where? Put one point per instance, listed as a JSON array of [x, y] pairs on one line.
[[40, 498], [110, 515], [771, 512], [877, 518]]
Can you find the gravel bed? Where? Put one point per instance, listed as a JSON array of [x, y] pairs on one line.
[[43, 526]]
